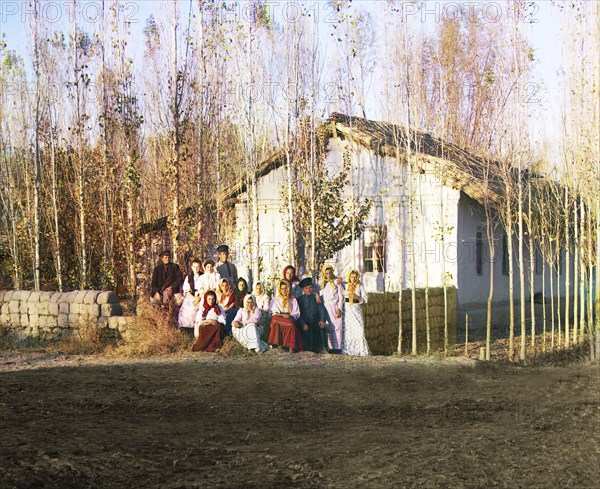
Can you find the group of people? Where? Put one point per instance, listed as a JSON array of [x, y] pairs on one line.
[[214, 303]]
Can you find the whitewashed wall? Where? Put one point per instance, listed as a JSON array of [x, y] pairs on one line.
[[380, 178], [377, 178], [473, 288], [272, 226]]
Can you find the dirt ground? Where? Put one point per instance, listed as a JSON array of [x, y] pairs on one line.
[[296, 421]]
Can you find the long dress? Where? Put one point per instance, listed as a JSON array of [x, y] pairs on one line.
[[188, 311], [283, 330], [263, 303], [228, 302], [249, 334], [354, 342], [210, 336], [332, 296]]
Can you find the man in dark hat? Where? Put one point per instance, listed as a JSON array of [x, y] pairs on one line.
[[166, 280], [225, 268], [313, 316]]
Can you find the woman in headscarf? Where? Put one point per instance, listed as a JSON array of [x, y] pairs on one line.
[[261, 297], [227, 302], [193, 296], [289, 274], [354, 342], [332, 296], [241, 291], [285, 312], [246, 326], [263, 302], [209, 328]]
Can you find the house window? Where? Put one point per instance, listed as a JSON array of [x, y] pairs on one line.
[[479, 252], [504, 255], [374, 249]]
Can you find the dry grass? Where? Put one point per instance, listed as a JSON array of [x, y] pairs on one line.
[[534, 356], [152, 333], [562, 357], [232, 348], [88, 340], [8, 341]]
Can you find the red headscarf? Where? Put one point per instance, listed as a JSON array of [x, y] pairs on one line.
[[294, 276], [226, 300], [208, 307]]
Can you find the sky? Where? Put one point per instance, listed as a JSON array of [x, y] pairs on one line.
[[541, 23]]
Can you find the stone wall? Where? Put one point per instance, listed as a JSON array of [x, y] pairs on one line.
[[381, 320], [55, 315]]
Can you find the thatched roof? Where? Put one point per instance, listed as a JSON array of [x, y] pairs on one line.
[[456, 167]]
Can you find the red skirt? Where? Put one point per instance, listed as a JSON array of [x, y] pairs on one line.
[[283, 332], [210, 338]]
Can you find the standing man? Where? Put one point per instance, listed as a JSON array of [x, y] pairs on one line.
[[166, 281], [225, 268], [314, 316]]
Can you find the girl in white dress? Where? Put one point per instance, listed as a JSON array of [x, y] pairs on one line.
[[354, 342], [193, 297], [263, 303], [332, 296], [210, 279], [246, 326]]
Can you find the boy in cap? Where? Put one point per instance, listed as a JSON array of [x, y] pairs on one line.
[[313, 316], [166, 280], [225, 268]]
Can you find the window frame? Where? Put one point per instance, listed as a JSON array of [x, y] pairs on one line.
[[374, 249]]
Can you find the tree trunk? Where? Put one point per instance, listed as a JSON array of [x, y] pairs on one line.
[[402, 261], [543, 304], [290, 208], [511, 291], [575, 274], [54, 187], [413, 273], [521, 271], [37, 177], [492, 247], [567, 270], [558, 301], [175, 157], [83, 281], [83, 275], [594, 323], [552, 318], [531, 271], [131, 247], [582, 255]]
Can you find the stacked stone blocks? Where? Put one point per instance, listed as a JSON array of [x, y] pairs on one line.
[[55, 315], [382, 320]]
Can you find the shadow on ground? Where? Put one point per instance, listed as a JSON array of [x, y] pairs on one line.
[[257, 423]]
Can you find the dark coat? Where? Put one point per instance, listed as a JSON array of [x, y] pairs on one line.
[[310, 311], [164, 276], [310, 314], [229, 271]]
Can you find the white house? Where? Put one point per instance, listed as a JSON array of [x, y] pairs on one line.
[[443, 189]]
